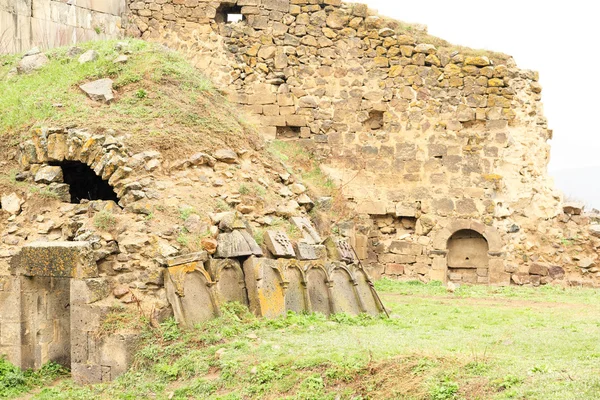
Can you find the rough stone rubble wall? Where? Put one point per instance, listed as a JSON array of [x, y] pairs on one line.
[[50, 23], [421, 135]]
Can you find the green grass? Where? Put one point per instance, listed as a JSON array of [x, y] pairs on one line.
[[294, 154], [161, 99], [105, 220], [477, 343], [14, 382]]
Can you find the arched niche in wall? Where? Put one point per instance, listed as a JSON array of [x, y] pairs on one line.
[[463, 239]]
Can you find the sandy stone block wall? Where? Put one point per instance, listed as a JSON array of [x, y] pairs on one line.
[[50, 23]]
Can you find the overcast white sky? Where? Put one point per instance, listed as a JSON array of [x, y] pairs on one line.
[[558, 39]]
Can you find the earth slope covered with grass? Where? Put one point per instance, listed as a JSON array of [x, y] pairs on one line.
[[476, 343]]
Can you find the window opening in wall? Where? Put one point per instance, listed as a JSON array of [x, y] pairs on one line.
[[375, 121], [84, 184], [229, 13], [288, 132]]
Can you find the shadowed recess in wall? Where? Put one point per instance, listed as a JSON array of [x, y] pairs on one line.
[[84, 184], [229, 13]]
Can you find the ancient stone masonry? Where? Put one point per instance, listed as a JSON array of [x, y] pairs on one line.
[[51, 23], [113, 228], [425, 138]]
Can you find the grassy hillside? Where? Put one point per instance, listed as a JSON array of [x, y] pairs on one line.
[[477, 343], [161, 101]]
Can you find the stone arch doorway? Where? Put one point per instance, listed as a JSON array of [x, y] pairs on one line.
[[468, 258]]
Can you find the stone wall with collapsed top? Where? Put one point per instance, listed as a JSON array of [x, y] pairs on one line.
[[176, 237], [25, 24], [425, 138]]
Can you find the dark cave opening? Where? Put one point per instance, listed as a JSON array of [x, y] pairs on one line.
[[84, 184]]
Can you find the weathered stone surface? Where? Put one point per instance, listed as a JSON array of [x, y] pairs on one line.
[[100, 90], [279, 244], [88, 56], [226, 155], [237, 243], [307, 251], [56, 259], [48, 174], [573, 208], [31, 63], [186, 258], [230, 281], [594, 230], [339, 249], [480, 61], [538, 269], [309, 233], [345, 297], [12, 203], [190, 293], [318, 292], [265, 287]]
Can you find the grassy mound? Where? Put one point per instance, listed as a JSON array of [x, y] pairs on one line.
[[161, 101]]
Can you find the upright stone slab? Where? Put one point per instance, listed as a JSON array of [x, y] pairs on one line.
[[344, 294], [296, 292], [366, 291], [230, 283], [318, 289], [265, 286], [190, 293]]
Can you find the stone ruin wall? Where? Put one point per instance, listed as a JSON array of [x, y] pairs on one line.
[[426, 139], [25, 24], [62, 273]]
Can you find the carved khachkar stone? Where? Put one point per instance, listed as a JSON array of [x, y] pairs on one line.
[[279, 244], [339, 250]]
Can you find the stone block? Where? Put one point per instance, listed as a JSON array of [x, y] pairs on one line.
[[308, 252], [238, 243], [372, 208], [201, 256], [56, 259], [86, 374], [265, 287], [338, 249], [498, 277], [309, 233], [189, 291], [538, 269], [406, 248], [279, 244], [394, 269], [87, 291]]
